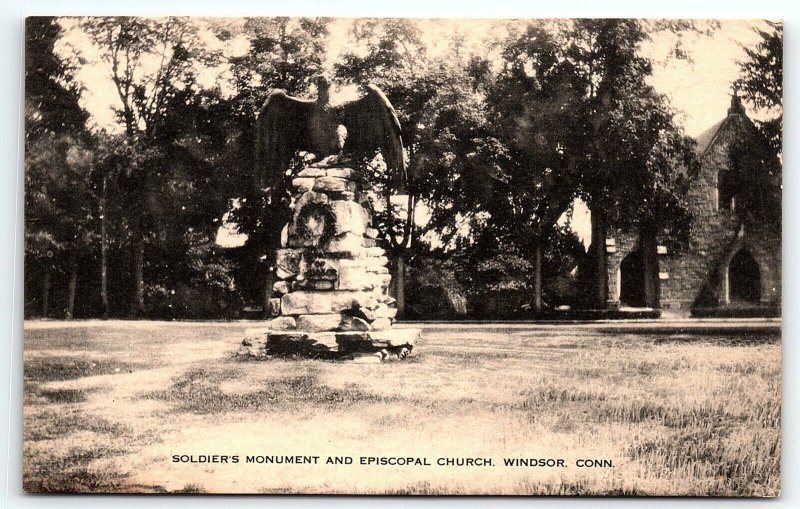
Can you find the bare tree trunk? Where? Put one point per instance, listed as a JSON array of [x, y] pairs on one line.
[[600, 279], [400, 285], [401, 248], [137, 307], [103, 254], [270, 250], [73, 284], [46, 293], [537, 281], [268, 291]]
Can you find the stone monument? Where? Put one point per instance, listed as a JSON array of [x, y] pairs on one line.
[[331, 277]]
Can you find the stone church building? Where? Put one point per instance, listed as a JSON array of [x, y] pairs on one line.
[[724, 266]]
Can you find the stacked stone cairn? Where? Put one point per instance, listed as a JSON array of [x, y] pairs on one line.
[[331, 296]]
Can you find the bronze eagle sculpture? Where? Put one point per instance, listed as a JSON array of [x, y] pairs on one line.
[[287, 125]]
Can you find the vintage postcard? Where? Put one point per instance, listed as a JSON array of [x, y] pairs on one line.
[[403, 256]]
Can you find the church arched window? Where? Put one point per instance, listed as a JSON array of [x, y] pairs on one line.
[[726, 191]]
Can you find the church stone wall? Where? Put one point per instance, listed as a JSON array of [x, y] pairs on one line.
[[619, 244], [693, 274]]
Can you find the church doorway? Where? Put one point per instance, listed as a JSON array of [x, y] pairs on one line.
[[631, 270], [744, 278]]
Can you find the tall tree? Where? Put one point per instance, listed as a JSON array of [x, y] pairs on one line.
[[531, 103], [627, 150], [285, 53], [756, 158], [393, 56], [574, 116], [761, 81], [57, 164], [152, 63]]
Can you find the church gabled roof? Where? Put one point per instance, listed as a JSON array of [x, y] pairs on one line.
[[707, 137]]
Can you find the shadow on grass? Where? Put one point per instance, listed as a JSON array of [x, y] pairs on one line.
[[747, 338], [53, 369], [49, 425], [190, 489], [35, 394], [602, 339], [69, 474], [80, 480], [65, 395], [198, 391]]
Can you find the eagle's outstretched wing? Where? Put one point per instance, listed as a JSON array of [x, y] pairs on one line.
[[372, 126], [282, 130]]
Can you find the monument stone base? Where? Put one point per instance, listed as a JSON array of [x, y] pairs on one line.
[[378, 345], [330, 296]]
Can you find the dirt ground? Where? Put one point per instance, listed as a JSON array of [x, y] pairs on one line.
[[109, 406]]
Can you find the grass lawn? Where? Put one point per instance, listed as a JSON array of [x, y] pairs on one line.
[[107, 405]]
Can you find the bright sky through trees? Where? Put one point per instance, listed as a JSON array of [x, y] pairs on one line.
[[699, 88]]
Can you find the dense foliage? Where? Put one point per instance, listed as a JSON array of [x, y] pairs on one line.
[[761, 85], [501, 140]]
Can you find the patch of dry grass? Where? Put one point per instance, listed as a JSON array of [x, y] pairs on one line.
[[69, 368], [70, 471], [678, 414], [49, 424], [199, 391]]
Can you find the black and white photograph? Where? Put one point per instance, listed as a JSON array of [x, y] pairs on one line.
[[402, 256]]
